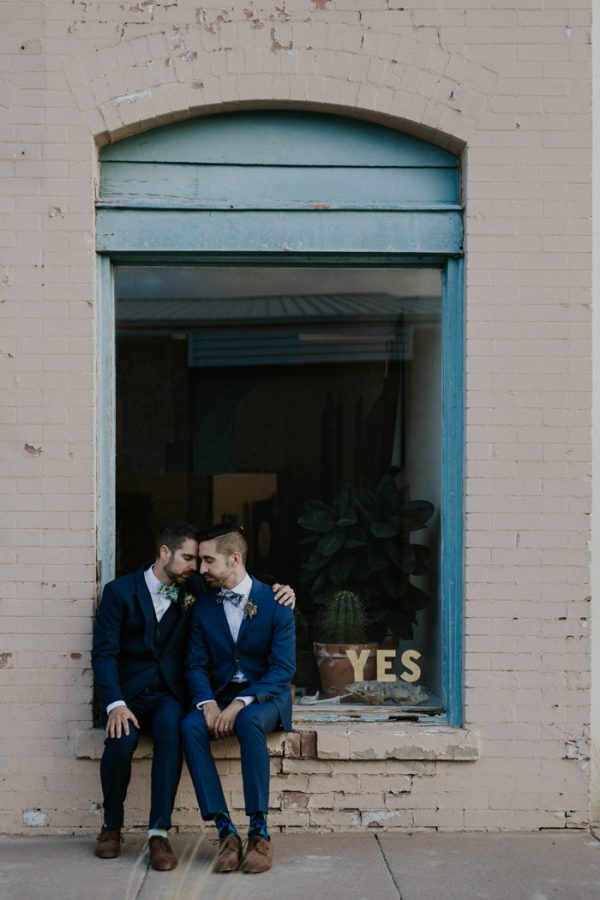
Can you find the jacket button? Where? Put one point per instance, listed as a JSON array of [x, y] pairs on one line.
[[236, 660]]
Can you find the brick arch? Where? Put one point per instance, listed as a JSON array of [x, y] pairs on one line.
[[146, 82]]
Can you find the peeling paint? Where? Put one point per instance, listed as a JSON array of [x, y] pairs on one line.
[[276, 46], [33, 451], [131, 98], [5, 659], [34, 818]]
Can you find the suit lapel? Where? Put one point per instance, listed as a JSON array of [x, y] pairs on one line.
[[254, 595], [218, 613], [143, 595]]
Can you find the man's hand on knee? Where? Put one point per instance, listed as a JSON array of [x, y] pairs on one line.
[[211, 712], [226, 720], [118, 722]]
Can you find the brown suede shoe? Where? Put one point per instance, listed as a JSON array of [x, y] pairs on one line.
[[108, 843], [259, 855], [162, 858], [230, 854]]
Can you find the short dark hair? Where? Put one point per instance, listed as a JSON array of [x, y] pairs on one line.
[[227, 537], [173, 536]]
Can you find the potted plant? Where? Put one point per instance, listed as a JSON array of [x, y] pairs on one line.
[[341, 626], [362, 543]]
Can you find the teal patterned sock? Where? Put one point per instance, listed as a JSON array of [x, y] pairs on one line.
[[224, 825], [258, 825]]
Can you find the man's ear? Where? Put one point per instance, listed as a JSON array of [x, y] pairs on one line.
[[164, 553]]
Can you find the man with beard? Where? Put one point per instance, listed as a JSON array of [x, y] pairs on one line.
[[240, 663], [138, 654]]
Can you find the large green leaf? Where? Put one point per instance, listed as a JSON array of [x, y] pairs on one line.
[[321, 583], [422, 559], [388, 495], [313, 563], [331, 543], [315, 504], [317, 520], [368, 505], [394, 581], [383, 529], [377, 556], [362, 569], [345, 499], [413, 598], [340, 568], [348, 517], [402, 555], [417, 513]]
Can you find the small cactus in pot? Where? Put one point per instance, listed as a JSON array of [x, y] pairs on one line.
[[343, 620], [342, 626]]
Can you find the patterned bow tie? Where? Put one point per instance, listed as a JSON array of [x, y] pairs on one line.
[[224, 594], [170, 592]]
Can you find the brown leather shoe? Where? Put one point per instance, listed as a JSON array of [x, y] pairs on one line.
[[162, 858], [108, 843], [259, 855], [230, 854]]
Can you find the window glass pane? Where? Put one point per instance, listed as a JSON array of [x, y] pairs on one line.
[[305, 405]]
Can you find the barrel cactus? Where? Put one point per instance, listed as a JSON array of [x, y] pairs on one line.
[[342, 620]]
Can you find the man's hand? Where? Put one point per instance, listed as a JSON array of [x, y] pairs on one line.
[[285, 595], [226, 719], [211, 712], [118, 722]]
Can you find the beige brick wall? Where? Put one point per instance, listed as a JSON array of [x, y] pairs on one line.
[[509, 82]]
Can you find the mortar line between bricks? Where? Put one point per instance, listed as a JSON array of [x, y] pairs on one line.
[[388, 867]]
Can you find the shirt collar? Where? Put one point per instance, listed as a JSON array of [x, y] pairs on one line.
[[244, 587], [152, 581]]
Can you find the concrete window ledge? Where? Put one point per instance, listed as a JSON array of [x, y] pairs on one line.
[[392, 741], [89, 744], [342, 742]]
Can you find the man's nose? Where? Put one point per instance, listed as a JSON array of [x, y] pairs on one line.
[[203, 568]]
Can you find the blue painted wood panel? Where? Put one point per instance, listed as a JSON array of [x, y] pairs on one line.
[[185, 186], [345, 232], [278, 137], [390, 192]]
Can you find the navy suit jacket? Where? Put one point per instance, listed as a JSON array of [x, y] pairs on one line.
[[123, 655], [265, 651]]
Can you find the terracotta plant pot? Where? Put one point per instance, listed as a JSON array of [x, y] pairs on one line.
[[335, 669]]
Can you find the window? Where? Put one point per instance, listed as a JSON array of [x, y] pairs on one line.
[[287, 291], [260, 396]]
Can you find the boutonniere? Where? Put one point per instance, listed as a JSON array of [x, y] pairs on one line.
[[188, 600], [250, 609]]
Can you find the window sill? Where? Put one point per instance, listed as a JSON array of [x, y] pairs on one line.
[[342, 741]]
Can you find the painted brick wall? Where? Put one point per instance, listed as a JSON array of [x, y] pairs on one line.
[[508, 83]]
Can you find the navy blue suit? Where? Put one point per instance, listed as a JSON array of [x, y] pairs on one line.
[[139, 660], [265, 653]]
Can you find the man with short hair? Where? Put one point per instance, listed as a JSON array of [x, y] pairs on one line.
[[240, 662], [138, 656]]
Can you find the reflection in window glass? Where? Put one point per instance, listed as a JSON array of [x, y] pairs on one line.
[[305, 405]]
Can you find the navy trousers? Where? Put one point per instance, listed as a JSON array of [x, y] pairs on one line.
[[252, 725], [160, 714]]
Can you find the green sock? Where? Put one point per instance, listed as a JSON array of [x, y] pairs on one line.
[[258, 825], [224, 825]]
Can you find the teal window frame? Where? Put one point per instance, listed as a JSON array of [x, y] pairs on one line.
[[452, 531]]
